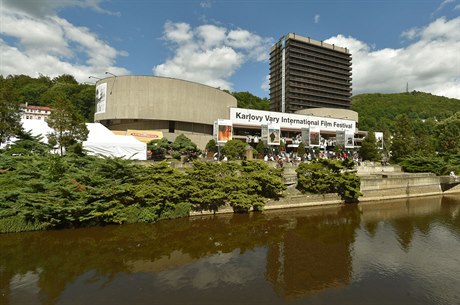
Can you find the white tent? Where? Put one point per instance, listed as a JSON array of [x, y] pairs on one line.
[[101, 141], [37, 128]]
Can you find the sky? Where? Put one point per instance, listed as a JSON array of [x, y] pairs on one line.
[[395, 44]]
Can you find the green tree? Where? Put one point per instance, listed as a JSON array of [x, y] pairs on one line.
[[448, 135], [234, 149], [301, 150], [261, 147], [10, 114], [68, 125], [184, 146], [211, 146], [159, 148], [248, 100], [403, 142], [369, 150], [329, 176]]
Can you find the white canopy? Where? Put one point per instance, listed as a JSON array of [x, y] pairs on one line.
[[101, 141]]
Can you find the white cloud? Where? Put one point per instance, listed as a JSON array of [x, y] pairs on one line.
[[442, 5], [206, 4], [266, 84], [49, 45], [42, 8], [210, 54], [431, 63], [317, 17]]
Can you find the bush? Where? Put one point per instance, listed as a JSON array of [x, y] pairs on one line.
[[234, 149], [329, 176], [424, 164]]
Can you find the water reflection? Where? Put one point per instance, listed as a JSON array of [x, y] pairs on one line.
[[382, 252]]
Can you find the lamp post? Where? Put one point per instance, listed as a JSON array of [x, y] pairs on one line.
[[98, 78], [110, 74]]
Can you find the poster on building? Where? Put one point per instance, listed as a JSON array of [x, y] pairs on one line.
[[274, 135], [314, 137], [101, 95], [349, 140], [264, 133], [379, 139], [305, 134], [340, 138], [223, 131]]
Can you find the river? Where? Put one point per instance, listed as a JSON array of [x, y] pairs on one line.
[[393, 252]]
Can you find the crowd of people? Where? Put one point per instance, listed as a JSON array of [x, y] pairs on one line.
[[293, 158]]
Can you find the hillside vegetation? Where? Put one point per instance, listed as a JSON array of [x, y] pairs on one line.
[[378, 111]]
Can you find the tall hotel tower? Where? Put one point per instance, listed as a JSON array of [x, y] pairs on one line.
[[306, 73]]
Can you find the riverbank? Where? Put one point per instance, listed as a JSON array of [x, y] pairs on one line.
[[378, 183]]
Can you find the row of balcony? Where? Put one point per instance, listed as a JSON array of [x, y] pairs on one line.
[[325, 62]]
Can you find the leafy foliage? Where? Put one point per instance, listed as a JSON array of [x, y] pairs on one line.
[[378, 111], [211, 146], [234, 149], [67, 124], [42, 91], [159, 148], [447, 133], [184, 146], [329, 176], [250, 101], [242, 185], [39, 190], [369, 150], [10, 116], [420, 164]]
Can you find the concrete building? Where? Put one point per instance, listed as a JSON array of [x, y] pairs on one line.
[[169, 105], [172, 107], [306, 73]]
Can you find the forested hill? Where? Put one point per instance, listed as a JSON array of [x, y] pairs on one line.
[[378, 111]]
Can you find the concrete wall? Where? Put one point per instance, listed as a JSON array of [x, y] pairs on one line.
[[388, 186], [331, 112]]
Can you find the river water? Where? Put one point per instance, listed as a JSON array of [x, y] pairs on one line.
[[393, 252]]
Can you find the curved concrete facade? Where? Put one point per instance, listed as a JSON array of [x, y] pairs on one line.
[[331, 112], [171, 105]]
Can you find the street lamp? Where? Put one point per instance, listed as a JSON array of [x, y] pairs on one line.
[[98, 78], [110, 74]]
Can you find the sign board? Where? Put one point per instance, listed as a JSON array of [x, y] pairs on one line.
[[349, 140], [274, 135], [101, 98], [340, 138], [251, 117], [223, 131], [145, 135], [314, 137], [305, 134]]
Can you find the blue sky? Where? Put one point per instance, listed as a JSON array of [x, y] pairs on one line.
[[226, 43]]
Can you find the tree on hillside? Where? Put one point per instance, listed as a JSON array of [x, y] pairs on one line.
[[378, 111], [250, 101], [68, 125], [10, 114], [448, 135]]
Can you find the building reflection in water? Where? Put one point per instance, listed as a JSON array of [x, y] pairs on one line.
[[315, 254]]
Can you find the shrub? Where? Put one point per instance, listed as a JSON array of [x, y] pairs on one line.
[[329, 176]]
